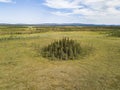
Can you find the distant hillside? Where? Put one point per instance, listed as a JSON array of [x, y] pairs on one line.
[[56, 24]]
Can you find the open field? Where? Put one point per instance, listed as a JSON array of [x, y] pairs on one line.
[[23, 68]]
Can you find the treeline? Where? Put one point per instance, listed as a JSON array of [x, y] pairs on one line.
[[64, 49]]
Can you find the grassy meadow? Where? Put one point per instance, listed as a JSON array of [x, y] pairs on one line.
[[23, 68]]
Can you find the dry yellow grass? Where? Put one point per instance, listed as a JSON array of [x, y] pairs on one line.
[[22, 68]]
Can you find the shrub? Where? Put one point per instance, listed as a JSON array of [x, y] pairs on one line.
[[64, 49], [115, 33]]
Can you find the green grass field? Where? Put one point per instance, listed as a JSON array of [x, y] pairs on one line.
[[23, 68]]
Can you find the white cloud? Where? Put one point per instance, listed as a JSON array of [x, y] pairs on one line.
[[96, 10], [62, 4], [6, 1]]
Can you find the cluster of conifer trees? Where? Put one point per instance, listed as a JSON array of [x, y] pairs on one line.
[[64, 49]]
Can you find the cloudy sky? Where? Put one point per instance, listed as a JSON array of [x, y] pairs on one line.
[[60, 11]]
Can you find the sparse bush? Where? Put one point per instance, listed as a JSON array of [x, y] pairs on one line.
[[65, 49], [115, 33]]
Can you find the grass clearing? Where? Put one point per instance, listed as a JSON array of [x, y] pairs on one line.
[[22, 68]]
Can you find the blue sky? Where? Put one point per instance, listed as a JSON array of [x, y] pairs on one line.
[[60, 11]]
